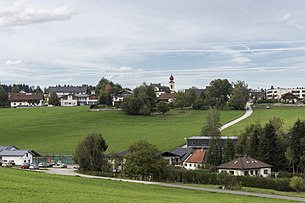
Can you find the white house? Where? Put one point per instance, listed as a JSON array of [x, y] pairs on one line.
[[195, 159], [277, 93], [245, 166], [17, 156], [25, 99]]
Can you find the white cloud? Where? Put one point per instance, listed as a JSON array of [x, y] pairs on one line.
[[19, 14], [12, 62], [286, 17]]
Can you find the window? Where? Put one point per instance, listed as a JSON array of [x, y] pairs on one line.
[[190, 165], [266, 171], [251, 172], [185, 164], [246, 173], [27, 155], [232, 172]]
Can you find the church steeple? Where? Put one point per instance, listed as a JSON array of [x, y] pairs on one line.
[[171, 83]]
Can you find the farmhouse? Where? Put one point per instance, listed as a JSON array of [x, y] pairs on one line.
[[195, 160], [167, 97], [74, 95], [245, 166], [25, 99], [118, 98], [11, 154]]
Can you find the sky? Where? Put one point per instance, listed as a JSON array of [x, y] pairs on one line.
[[75, 42]]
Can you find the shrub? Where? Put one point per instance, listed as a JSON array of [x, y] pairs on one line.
[[297, 183]]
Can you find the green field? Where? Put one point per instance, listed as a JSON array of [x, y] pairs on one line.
[[260, 113], [27, 186], [58, 130]]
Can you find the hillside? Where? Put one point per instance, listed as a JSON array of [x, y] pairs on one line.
[[58, 130]]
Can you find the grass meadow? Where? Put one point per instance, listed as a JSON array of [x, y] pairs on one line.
[[27, 186], [58, 130], [289, 114]]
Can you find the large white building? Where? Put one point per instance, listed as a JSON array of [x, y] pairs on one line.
[[11, 154], [25, 99], [277, 93]]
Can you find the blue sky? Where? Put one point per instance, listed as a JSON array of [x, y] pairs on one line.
[[131, 41]]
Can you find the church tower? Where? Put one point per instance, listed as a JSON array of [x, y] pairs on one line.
[[171, 83]]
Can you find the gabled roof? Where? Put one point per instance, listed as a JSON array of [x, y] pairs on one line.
[[17, 152], [168, 154], [7, 148], [166, 96], [198, 156], [289, 95], [242, 163], [25, 96], [183, 152]]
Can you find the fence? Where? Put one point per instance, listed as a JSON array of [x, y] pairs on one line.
[[67, 159]]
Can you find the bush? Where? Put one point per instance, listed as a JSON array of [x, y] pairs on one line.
[[265, 183], [297, 183]]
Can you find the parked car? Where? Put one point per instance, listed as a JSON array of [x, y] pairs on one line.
[[33, 166], [25, 166], [7, 165], [43, 165], [62, 165]]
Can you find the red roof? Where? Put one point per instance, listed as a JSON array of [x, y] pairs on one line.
[[243, 163], [166, 96], [197, 156], [25, 96]]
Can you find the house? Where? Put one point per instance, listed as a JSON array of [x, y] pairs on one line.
[[289, 98], [159, 89], [25, 99], [245, 166], [118, 98], [204, 141], [74, 95], [195, 160], [11, 154], [167, 97]]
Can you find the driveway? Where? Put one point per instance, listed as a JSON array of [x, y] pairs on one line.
[[71, 172], [247, 113]]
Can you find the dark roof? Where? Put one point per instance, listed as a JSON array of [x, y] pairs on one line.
[[7, 148], [68, 89], [183, 152], [197, 156], [198, 92], [166, 96], [25, 96], [168, 154], [289, 95], [16, 152], [242, 163]]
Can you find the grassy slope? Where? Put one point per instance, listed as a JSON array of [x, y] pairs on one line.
[[58, 130], [25, 186], [288, 114]]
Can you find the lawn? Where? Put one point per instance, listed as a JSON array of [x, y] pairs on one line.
[[27, 186], [288, 114], [58, 130]]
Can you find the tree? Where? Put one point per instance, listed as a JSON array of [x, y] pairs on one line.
[[132, 105], [297, 183], [218, 93], [255, 132], [268, 149], [296, 133], [105, 89], [144, 160], [89, 153], [212, 125], [180, 100], [240, 95], [214, 153], [191, 95], [163, 107], [16, 89], [3, 97], [53, 99], [142, 102], [228, 152], [290, 157]]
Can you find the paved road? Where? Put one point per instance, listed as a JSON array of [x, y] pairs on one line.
[[247, 113], [70, 172]]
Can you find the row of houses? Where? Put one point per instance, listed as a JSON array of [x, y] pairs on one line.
[[194, 154]]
